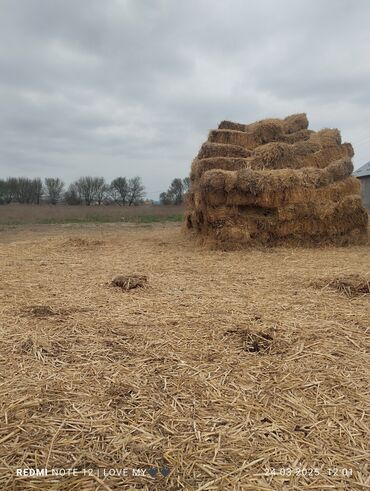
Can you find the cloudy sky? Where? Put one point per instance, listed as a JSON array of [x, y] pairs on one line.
[[131, 87]]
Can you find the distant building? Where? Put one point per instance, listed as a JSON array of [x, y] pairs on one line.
[[363, 173]]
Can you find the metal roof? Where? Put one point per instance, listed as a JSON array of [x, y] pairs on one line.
[[363, 171]]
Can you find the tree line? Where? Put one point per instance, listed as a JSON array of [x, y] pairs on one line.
[[86, 190]]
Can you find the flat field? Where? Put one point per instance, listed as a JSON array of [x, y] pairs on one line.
[[15, 214], [229, 371]]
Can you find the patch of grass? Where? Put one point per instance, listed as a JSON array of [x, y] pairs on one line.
[[12, 223]]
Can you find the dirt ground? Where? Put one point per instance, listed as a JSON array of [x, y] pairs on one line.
[[228, 371]]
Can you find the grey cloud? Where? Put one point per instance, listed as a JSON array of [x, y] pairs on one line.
[[129, 87]]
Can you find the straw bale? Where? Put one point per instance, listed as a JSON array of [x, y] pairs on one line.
[[223, 213], [327, 137], [280, 155], [349, 148], [300, 135], [305, 147], [230, 125], [295, 122], [254, 135], [332, 192], [266, 131], [324, 156], [232, 137], [255, 182], [323, 210], [274, 155], [198, 167], [339, 189], [307, 224], [291, 124], [295, 185], [209, 149]]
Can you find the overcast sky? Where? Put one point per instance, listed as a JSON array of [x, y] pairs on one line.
[[132, 87]]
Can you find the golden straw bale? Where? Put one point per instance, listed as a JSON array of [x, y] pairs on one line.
[[221, 213], [302, 194], [295, 122], [215, 180], [305, 147], [198, 167], [209, 149], [327, 137], [266, 131], [230, 125], [300, 135], [332, 220], [339, 189], [254, 135], [256, 181], [324, 156], [274, 155], [349, 148], [318, 209], [294, 186], [290, 124], [232, 137], [308, 224]]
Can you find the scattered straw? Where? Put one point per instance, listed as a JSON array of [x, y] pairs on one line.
[[152, 381], [351, 285], [130, 282], [83, 242]]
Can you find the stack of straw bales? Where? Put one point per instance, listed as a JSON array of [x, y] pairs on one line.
[[275, 181]]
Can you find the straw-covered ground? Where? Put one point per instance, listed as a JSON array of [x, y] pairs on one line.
[[245, 370]]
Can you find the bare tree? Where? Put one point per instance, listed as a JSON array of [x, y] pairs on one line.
[[86, 189], [37, 190], [72, 195], [165, 199], [12, 188], [135, 191], [54, 189], [175, 193], [25, 190], [101, 190], [119, 190], [91, 189], [5, 192], [176, 190]]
